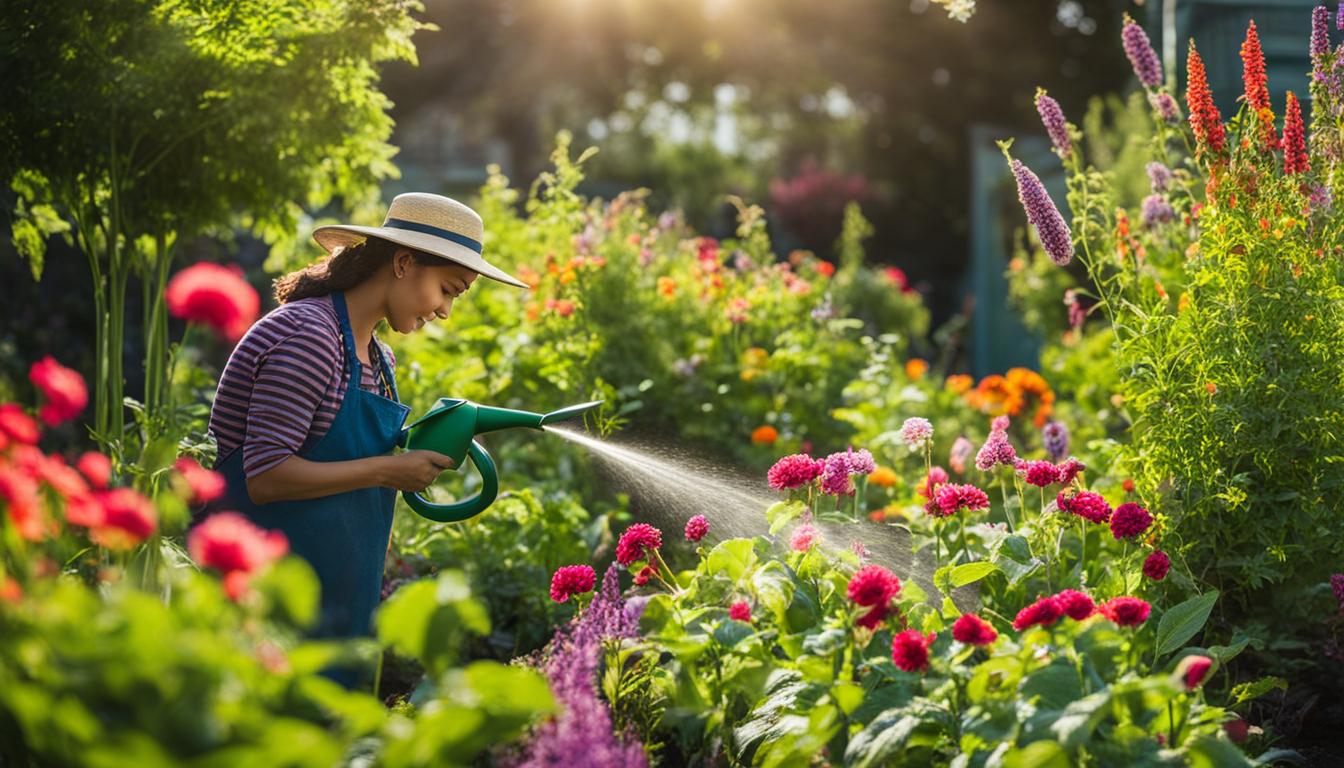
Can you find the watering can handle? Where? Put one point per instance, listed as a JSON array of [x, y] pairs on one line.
[[466, 508]]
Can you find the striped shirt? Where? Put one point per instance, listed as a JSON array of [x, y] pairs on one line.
[[284, 383]]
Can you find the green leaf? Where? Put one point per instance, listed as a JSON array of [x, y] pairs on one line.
[[848, 696], [1207, 751], [1183, 622], [969, 573], [1244, 692], [1041, 754], [731, 558], [882, 739], [1075, 725], [425, 620], [782, 513]]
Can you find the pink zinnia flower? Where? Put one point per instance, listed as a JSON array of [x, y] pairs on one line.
[[1043, 612], [951, 499], [636, 542], [973, 630], [1156, 565], [740, 611], [205, 485], [214, 295], [1076, 605], [910, 650], [570, 580], [794, 471], [1085, 504], [996, 450], [63, 389], [96, 467], [915, 432], [696, 528], [1193, 669], [835, 480], [1126, 611], [873, 585], [804, 537], [17, 425], [1038, 473], [643, 576], [1129, 521]]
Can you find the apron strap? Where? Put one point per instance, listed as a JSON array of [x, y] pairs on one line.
[[347, 339]]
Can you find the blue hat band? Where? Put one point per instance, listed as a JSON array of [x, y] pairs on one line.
[[429, 229]]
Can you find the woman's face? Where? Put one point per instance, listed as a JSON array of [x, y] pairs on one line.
[[422, 292]]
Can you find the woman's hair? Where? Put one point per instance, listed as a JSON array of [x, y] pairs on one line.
[[342, 269]]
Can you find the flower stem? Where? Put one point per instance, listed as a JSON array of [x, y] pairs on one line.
[[962, 521]]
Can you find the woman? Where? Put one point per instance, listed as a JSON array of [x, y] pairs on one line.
[[306, 415]]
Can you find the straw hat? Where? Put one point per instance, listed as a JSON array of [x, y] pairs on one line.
[[430, 223]]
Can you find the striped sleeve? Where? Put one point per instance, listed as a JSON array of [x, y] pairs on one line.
[[290, 382]]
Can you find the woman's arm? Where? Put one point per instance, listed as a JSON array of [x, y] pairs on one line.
[[297, 478]]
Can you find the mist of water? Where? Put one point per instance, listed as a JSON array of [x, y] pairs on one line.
[[667, 486]]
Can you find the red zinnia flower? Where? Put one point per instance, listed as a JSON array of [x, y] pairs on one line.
[[973, 630], [740, 611], [205, 485], [1043, 612], [696, 528], [63, 389], [128, 519], [950, 499], [1294, 139], [18, 425], [794, 471], [1076, 605], [216, 296], [1193, 669], [874, 617], [1126, 611], [19, 492], [1205, 120], [910, 650], [1156, 565], [637, 540], [572, 580], [1129, 521], [873, 585], [234, 546], [96, 467], [937, 476]]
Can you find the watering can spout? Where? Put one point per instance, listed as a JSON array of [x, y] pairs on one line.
[[449, 427]]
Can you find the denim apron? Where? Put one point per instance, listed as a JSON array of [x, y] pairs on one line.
[[343, 536]]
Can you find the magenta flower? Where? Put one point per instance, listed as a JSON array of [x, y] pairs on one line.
[[572, 580], [1070, 469], [937, 476], [1090, 506], [1141, 55], [910, 650], [1320, 33], [1043, 216], [696, 528], [1052, 117], [1076, 605], [794, 471], [636, 542], [873, 585], [996, 451], [1126, 611], [740, 611], [973, 630], [1043, 612], [1129, 521], [1038, 473], [1194, 668], [951, 499], [1156, 565]]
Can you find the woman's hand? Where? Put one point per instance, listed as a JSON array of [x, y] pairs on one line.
[[414, 471]]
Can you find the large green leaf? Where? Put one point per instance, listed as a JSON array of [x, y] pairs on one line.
[[731, 558], [969, 573], [426, 619], [1183, 622]]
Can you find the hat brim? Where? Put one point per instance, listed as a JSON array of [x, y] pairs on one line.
[[331, 236]]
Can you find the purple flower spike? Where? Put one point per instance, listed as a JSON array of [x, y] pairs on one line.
[[1320, 32], [1043, 215], [1141, 54], [1053, 119]]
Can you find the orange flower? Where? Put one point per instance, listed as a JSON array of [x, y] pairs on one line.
[[532, 311], [995, 396], [915, 368], [667, 287], [883, 477], [1211, 388], [959, 383], [764, 435], [1033, 391], [568, 276], [10, 591]]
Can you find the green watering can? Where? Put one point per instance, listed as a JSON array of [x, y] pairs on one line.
[[449, 427]]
